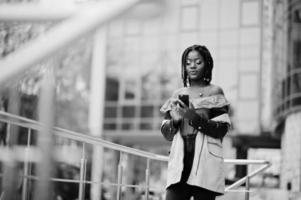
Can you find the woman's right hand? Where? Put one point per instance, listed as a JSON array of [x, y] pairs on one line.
[[177, 111]]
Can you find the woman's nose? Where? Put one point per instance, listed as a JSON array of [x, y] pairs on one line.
[[193, 65]]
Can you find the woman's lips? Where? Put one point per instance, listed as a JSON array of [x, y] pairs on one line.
[[193, 72]]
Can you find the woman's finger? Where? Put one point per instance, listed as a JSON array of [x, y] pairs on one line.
[[182, 104], [191, 105]]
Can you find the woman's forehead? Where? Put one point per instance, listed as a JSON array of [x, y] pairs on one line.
[[194, 55]]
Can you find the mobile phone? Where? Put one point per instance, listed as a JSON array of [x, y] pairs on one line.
[[184, 98]]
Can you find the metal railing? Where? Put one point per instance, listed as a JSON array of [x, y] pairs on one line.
[[30, 153]]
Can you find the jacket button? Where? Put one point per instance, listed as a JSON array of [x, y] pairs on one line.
[[200, 128]]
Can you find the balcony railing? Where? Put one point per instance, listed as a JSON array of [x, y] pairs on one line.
[[29, 154]]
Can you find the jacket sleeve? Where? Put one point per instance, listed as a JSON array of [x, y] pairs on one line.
[[169, 128], [215, 129]]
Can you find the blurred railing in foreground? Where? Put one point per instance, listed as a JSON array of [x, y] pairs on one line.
[[29, 154]]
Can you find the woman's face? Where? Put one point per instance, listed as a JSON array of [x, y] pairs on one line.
[[195, 65]]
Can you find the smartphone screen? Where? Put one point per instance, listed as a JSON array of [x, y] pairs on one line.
[[184, 98]]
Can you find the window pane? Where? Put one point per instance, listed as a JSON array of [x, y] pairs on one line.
[[111, 111], [130, 89], [110, 126], [245, 34], [229, 16], [297, 54], [189, 18], [248, 86], [147, 111], [112, 88], [296, 83], [146, 126], [249, 52], [249, 65], [128, 111], [127, 126], [229, 38], [209, 14], [228, 53], [250, 13]]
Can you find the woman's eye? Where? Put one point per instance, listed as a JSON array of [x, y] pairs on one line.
[[198, 62]]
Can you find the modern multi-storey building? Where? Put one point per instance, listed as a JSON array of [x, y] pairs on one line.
[[287, 88]]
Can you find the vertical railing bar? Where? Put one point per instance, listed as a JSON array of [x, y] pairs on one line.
[[147, 172], [46, 107], [247, 193], [83, 163], [26, 166], [8, 133], [119, 176], [2, 195]]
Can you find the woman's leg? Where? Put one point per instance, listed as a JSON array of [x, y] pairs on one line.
[[179, 191]]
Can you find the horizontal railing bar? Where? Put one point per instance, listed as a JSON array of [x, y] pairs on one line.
[[34, 12], [111, 184], [33, 156], [243, 179], [61, 180], [239, 191], [246, 162]]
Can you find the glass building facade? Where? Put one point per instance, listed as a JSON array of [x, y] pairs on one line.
[[144, 55]]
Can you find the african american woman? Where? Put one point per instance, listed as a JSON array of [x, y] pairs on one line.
[[196, 120]]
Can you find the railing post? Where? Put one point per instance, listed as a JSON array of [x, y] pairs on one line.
[[119, 176], [247, 194], [26, 167], [82, 178], [147, 171]]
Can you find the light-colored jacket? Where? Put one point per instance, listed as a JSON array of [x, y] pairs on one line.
[[208, 163]]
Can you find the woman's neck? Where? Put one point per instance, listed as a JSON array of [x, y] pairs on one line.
[[198, 83]]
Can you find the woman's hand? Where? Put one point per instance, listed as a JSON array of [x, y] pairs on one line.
[[178, 109]]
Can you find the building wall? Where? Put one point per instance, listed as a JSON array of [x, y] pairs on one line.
[[291, 153]]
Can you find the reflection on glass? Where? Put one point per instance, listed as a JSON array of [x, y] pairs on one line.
[[146, 126], [110, 126], [111, 111], [129, 92], [147, 111], [127, 126], [112, 88], [128, 111]]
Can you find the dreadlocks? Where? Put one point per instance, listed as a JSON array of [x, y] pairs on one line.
[[204, 52]]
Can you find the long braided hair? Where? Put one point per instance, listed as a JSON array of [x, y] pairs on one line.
[[204, 52]]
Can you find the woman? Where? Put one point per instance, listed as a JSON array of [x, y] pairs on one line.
[[195, 166]]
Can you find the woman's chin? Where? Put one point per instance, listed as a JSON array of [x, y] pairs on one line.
[[194, 78]]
